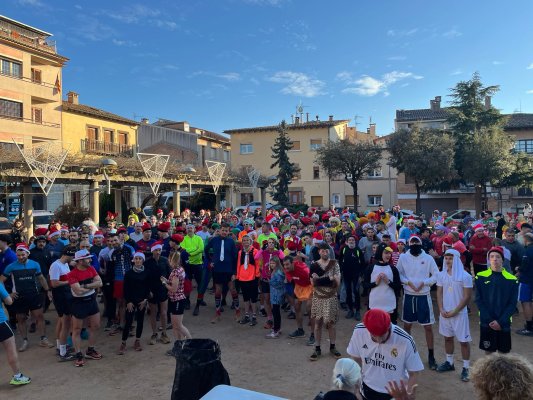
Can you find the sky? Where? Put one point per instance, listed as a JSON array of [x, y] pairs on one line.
[[226, 64]]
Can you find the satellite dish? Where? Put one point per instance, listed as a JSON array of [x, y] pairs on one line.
[[300, 109]]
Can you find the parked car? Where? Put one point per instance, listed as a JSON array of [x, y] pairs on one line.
[[5, 226], [254, 205], [459, 215], [42, 218]]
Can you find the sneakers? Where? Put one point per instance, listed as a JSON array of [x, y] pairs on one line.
[[316, 354], [465, 375], [524, 332], [237, 315], [108, 326], [263, 312], [122, 349], [216, 318], [80, 362], [24, 345], [273, 335], [20, 379], [164, 338], [115, 330], [253, 321], [269, 324], [433, 364], [137, 345], [298, 333], [311, 340], [291, 315], [93, 354], [335, 353], [445, 367], [245, 320], [196, 310], [67, 357], [357, 315], [349, 314], [153, 339], [45, 343]]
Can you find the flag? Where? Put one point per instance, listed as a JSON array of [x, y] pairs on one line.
[[58, 84]]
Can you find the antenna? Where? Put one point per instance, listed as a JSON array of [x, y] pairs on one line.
[[370, 120], [355, 118], [300, 110]]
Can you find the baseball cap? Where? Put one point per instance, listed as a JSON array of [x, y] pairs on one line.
[[377, 321]]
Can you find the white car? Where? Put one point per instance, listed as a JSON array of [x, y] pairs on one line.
[[42, 218], [254, 205]]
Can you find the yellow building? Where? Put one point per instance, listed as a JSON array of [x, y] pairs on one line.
[[30, 84], [251, 147]]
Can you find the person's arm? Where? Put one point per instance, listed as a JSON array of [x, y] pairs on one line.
[[401, 271], [439, 300], [434, 270], [205, 249], [395, 284], [505, 317], [467, 295], [4, 295], [480, 300], [96, 283], [128, 290], [367, 283], [78, 290], [43, 282], [411, 383], [172, 286]]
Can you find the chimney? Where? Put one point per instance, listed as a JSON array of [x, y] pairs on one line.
[[371, 130], [73, 98], [331, 117], [488, 104], [145, 121], [296, 120], [435, 104]]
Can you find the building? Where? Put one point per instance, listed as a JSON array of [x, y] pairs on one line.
[[518, 125]]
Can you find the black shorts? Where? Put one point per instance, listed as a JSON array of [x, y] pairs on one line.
[[249, 290], [5, 331], [491, 340], [158, 297], [28, 303], [62, 302], [370, 394], [83, 307], [222, 278], [176, 307], [265, 287]]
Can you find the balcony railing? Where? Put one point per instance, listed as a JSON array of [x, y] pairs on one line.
[[106, 148], [30, 80], [30, 121], [26, 37]]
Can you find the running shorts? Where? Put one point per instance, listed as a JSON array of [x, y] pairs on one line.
[[265, 286], [491, 340], [177, 307], [27, 303], [83, 307], [222, 278], [458, 326], [5, 331], [118, 290], [525, 295], [418, 309]]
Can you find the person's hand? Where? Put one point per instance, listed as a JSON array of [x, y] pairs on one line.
[[49, 294], [400, 391], [129, 307], [142, 304], [444, 314], [314, 276], [378, 279], [14, 295], [232, 278], [495, 326], [472, 247], [412, 286], [420, 287]]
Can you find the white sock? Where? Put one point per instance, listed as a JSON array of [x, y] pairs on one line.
[[62, 349], [466, 364], [449, 358], [57, 344]]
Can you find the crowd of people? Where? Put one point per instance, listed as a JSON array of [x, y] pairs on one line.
[[310, 265]]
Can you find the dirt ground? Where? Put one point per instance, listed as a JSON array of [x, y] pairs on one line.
[[279, 367]]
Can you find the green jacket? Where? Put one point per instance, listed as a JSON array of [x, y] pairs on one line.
[[194, 246]]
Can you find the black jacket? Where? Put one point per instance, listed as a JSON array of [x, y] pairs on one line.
[[351, 261]]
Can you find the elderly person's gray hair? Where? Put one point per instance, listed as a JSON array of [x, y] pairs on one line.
[[346, 375]]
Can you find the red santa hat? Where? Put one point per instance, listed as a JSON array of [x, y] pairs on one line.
[[478, 227], [98, 234], [40, 232], [306, 220], [146, 227], [159, 211], [177, 238], [325, 217], [270, 217], [163, 227], [23, 247], [53, 232], [122, 229], [156, 246], [317, 236], [64, 228]]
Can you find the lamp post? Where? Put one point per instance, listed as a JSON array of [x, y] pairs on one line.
[[189, 170], [108, 164]]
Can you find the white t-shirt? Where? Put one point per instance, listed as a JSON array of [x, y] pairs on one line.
[[204, 235], [58, 271], [452, 291], [382, 296], [384, 362]]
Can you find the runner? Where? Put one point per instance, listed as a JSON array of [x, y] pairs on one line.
[[62, 298], [352, 263], [248, 273], [418, 272], [83, 281], [526, 286], [298, 273], [277, 292], [136, 294], [389, 354], [326, 278], [24, 274], [454, 291], [194, 246]]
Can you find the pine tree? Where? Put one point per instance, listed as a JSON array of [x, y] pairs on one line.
[[287, 169]]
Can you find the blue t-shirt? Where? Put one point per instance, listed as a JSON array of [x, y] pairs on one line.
[[7, 257], [3, 295], [24, 277]]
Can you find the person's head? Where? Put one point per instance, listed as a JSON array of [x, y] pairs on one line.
[[328, 237], [114, 239], [4, 241], [510, 235], [386, 254], [308, 239], [271, 244], [190, 230], [503, 376], [138, 259], [378, 324], [224, 230], [346, 375], [528, 239], [495, 256], [526, 228], [18, 223], [266, 228], [311, 228], [350, 242], [23, 253], [345, 226], [68, 253], [274, 263], [480, 231], [288, 263], [385, 238], [40, 242], [83, 258], [415, 246], [73, 237], [246, 241], [400, 244], [84, 236], [323, 251], [84, 244], [370, 233], [153, 220], [293, 230], [175, 259], [454, 236], [411, 223], [448, 260], [138, 227], [375, 247]]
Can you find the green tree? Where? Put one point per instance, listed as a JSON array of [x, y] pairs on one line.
[[287, 169], [520, 174], [352, 160], [424, 155]]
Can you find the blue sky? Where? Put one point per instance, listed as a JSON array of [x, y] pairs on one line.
[[224, 64]]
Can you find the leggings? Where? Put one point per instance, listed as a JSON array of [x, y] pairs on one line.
[[139, 318], [276, 313], [351, 283]]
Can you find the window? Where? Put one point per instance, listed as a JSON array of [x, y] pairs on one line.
[[316, 172], [374, 200], [37, 115], [226, 155], [123, 137], [317, 201], [108, 136], [525, 191], [11, 68], [75, 199], [214, 153], [247, 148], [246, 198], [336, 199], [375, 173], [11, 109], [295, 145], [36, 75], [525, 146], [295, 197], [92, 133], [297, 175], [316, 144]]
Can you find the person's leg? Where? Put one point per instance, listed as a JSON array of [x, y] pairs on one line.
[[332, 331], [318, 337], [153, 321], [449, 349], [93, 323], [349, 295], [299, 315], [527, 308], [21, 325], [268, 306], [407, 327], [276, 311], [65, 322], [235, 299], [202, 277], [465, 353], [129, 322], [39, 321], [139, 319], [357, 296], [181, 328], [218, 297], [77, 324], [163, 315]]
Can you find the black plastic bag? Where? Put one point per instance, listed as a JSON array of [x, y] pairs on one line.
[[198, 368]]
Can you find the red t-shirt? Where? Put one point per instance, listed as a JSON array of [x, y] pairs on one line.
[[82, 277], [300, 275]]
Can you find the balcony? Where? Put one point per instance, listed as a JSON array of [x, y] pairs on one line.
[[106, 148], [18, 127], [26, 37]]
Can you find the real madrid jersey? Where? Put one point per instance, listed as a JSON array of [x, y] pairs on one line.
[[384, 362]]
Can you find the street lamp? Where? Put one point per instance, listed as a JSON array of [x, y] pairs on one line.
[[188, 170], [108, 164]]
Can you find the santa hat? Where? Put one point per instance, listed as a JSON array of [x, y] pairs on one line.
[[317, 237], [122, 229], [146, 227], [40, 232], [156, 246], [111, 216], [415, 238], [270, 218], [180, 229], [306, 220], [325, 216], [284, 211], [139, 254], [163, 227], [23, 247], [478, 227], [53, 232], [159, 211], [98, 234], [177, 238], [64, 228], [171, 212]]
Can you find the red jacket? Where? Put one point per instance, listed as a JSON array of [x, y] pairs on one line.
[[482, 246]]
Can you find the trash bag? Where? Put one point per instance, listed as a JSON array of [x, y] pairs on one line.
[[198, 368]]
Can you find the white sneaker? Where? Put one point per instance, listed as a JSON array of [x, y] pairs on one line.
[[273, 335], [24, 346]]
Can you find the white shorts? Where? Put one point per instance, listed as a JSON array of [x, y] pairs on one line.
[[458, 327]]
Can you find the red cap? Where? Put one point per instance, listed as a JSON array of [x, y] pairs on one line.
[[163, 227], [177, 238], [377, 321], [122, 229], [146, 227], [159, 211], [40, 231], [98, 234], [325, 217], [497, 249], [180, 229]]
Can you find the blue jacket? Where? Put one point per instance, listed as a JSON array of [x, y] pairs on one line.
[[496, 297], [526, 268], [230, 254]]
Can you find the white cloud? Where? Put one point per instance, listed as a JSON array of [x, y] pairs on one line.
[[92, 28], [456, 72], [298, 84], [529, 91], [402, 33], [230, 76], [497, 62], [255, 81], [452, 33], [31, 3], [137, 13], [530, 66], [125, 43], [275, 3], [396, 58], [367, 85]]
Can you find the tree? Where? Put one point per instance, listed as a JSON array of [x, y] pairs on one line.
[[353, 160], [520, 175], [287, 169], [424, 155]]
